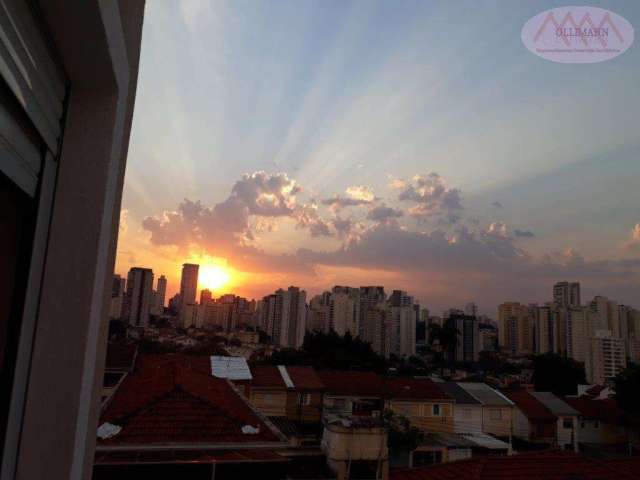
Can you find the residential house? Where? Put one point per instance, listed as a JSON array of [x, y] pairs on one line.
[[532, 420], [467, 410], [567, 422], [171, 417], [266, 390], [601, 421], [305, 391], [353, 393], [421, 401], [497, 410]]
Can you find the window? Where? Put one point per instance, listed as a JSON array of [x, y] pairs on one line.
[[495, 414], [304, 399], [426, 458], [268, 398], [436, 410], [596, 424], [567, 423]]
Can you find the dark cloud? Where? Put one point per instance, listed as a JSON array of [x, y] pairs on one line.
[[382, 213], [336, 203], [523, 233], [496, 204]]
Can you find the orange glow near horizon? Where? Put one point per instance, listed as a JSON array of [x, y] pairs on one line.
[[215, 274], [213, 277]]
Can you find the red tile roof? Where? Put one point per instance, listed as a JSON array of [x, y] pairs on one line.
[[414, 389], [606, 410], [168, 399], [357, 384], [266, 376], [530, 406], [305, 378], [129, 457], [547, 465]]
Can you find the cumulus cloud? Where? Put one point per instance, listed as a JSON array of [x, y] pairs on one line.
[[225, 229], [382, 213], [634, 242], [431, 195], [498, 230], [356, 196], [523, 233], [361, 192]]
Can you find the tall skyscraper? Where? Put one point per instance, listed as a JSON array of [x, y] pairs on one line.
[[139, 296], [284, 316], [189, 283], [370, 298], [567, 294], [607, 358], [319, 313], [159, 296], [344, 304], [468, 346], [515, 328], [401, 324]]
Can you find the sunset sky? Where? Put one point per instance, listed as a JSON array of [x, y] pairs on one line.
[[415, 145]]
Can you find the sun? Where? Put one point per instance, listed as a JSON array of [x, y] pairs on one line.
[[213, 277]]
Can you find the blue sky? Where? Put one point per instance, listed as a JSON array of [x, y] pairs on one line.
[[340, 94]]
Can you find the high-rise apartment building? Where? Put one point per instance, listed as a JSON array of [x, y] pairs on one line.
[[159, 296], [189, 283], [139, 296], [319, 313], [205, 296], [344, 310], [376, 324], [515, 328], [546, 332], [567, 294], [284, 316], [606, 359], [371, 297], [401, 324], [467, 348]]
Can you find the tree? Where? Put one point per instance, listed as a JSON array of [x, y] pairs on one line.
[[553, 373], [331, 351], [402, 435], [444, 339], [627, 387]]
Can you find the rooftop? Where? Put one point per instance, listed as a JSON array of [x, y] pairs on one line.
[[485, 394], [460, 395], [555, 404], [548, 465], [530, 406], [357, 384], [414, 389], [169, 401], [606, 410]]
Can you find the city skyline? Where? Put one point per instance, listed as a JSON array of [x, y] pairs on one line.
[[318, 163]]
